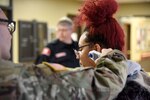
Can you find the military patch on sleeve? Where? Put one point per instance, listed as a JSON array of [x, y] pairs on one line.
[[46, 51]]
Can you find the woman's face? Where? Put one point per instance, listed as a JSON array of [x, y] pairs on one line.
[[84, 49]]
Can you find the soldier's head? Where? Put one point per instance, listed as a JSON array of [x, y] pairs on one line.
[[102, 29], [7, 27], [64, 29]]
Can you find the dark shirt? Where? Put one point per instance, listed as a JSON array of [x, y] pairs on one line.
[[59, 52]]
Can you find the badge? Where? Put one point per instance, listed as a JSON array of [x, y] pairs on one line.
[[60, 54]]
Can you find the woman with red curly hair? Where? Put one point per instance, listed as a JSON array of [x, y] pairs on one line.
[[117, 77], [102, 30]]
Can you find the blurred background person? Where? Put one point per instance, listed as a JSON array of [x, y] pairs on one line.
[[61, 50]]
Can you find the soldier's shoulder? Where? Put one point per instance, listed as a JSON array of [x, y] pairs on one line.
[[15, 79], [9, 64], [9, 71], [115, 55]]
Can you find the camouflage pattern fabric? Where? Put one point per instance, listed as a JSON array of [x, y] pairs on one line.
[[43, 82]]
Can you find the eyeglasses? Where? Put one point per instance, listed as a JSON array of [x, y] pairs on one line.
[[81, 47], [77, 52], [10, 24]]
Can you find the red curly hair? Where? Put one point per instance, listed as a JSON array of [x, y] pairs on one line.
[[102, 27]]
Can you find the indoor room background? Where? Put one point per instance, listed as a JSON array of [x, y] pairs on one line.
[[36, 24]]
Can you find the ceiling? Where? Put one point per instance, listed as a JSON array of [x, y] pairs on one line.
[[129, 1], [132, 1]]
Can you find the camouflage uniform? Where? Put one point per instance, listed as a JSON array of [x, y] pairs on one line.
[[45, 82]]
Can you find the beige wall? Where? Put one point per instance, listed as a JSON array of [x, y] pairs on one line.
[[134, 9], [51, 10], [43, 10]]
